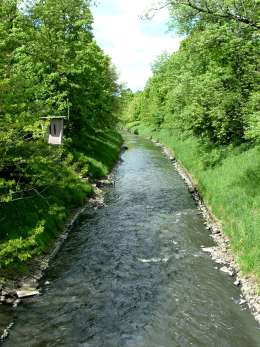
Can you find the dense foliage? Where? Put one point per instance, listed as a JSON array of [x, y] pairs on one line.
[[50, 65], [210, 87], [203, 102]]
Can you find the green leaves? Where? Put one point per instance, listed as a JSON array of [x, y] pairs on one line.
[[252, 117], [208, 88], [188, 15], [20, 249]]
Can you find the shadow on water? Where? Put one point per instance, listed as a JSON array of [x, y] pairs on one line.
[[132, 274]]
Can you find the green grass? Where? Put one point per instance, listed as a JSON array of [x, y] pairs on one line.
[[30, 226], [228, 178], [99, 149]]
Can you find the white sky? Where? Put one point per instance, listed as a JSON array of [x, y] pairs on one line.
[[132, 42]]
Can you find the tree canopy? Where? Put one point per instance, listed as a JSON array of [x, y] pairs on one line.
[[50, 65], [210, 87]]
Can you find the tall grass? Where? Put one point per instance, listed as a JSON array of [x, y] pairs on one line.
[[228, 178]]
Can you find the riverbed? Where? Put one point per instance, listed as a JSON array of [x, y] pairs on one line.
[[133, 273]]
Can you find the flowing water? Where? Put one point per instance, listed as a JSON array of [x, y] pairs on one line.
[[132, 274]]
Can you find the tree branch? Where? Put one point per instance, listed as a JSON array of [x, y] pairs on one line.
[[189, 3]]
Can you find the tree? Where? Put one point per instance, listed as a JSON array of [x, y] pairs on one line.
[[209, 87], [189, 12], [49, 64]]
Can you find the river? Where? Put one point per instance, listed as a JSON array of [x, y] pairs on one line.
[[133, 274]]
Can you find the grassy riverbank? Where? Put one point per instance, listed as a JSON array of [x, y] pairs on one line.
[[228, 179], [30, 225]]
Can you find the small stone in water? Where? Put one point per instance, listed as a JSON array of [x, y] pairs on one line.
[[207, 249], [227, 271], [16, 303], [24, 293], [237, 282], [242, 302]]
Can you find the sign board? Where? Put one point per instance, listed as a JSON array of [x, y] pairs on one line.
[[55, 136]]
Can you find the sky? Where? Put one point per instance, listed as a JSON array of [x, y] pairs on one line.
[[131, 42]]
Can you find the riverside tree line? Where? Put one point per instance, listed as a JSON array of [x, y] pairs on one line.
[[50, 65], [210, 87]]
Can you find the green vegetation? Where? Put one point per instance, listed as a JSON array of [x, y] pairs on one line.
[[30, 224], [50, 65], [203, 103]]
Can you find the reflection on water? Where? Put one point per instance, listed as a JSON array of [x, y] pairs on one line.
[[132, 274]]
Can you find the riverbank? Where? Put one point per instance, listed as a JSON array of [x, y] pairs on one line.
[[18, 278], [216, 196]]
